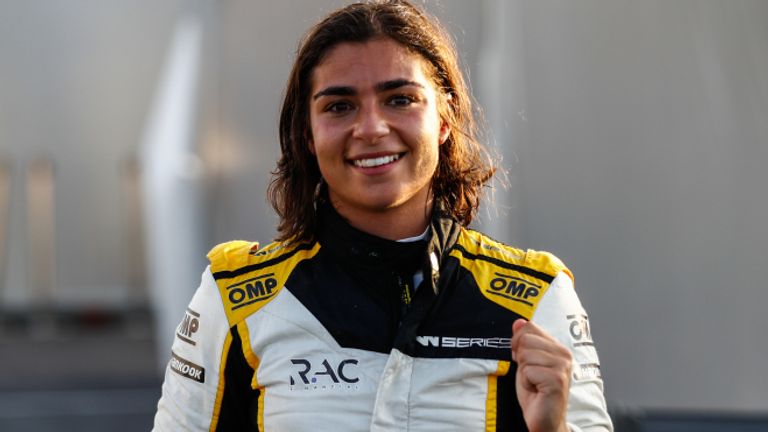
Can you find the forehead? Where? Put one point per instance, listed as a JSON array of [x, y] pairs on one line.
[[348, 63]]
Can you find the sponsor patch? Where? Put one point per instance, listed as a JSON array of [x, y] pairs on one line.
[[587, 371], [514, 288], [578, 328], [324, 375], [188, 327], [464, 342], [253, 290], [187, 369]]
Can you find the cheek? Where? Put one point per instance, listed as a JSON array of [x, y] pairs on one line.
[[318, 140], [327, 140]]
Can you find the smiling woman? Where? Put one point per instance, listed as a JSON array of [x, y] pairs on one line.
[[376, 132], [463, 166], [377, 308]]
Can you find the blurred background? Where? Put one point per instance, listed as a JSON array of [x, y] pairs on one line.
[[135, 135]]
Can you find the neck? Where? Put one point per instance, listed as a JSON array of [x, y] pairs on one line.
[[391, 224]]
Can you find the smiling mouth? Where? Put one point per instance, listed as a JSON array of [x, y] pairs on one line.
[[377, 161]]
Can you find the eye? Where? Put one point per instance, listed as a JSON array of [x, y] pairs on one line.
[[401, 100], [338, 107]]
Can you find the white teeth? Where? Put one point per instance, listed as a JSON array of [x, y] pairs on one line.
[[374, 162]]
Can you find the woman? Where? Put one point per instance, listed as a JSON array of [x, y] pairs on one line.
[[377, 309]]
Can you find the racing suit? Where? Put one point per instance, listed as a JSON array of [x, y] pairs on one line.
[[335, 335]]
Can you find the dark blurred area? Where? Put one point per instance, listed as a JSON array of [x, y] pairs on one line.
[[85, 369]]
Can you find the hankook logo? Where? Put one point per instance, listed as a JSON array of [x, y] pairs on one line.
[[187, 369], [464, 342], [252, 290]]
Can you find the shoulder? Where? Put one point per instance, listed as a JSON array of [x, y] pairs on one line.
[[513, 278], [248, 277]]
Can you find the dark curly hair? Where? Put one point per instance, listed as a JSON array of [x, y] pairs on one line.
[[464, 166]]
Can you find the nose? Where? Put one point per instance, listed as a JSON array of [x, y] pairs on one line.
[[370, 124]]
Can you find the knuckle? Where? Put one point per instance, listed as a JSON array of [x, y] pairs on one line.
[[568, 367], [564, 351], [525, 339], [568, 355]]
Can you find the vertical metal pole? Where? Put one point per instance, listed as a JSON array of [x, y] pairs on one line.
[[41, 233], [502, 68], [172, 183], [5, 213]]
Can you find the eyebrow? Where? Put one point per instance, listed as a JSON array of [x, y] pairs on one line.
[[380, 87]]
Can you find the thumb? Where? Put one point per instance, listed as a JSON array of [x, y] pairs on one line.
[[518, 324]]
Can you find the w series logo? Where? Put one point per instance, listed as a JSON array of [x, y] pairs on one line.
[[464, 342], [252, 290], [513, 288]]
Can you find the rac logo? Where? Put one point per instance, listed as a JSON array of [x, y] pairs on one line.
[[513, 288], [251, 291], [307, 375]]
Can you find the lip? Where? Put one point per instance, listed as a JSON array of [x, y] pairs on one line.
[[376, 170]]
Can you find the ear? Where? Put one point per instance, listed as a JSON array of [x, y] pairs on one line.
[[311, 146], [445, 131]]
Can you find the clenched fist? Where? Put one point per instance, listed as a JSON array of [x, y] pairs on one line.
[[543, 377]]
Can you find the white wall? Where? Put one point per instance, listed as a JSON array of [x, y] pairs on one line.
[[641, 136], [76, 81]]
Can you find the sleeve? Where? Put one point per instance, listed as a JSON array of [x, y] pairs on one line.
[[194, 383], [561, 314]]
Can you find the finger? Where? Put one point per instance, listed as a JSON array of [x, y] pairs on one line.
[[554, 360], [537, 342], [543, 379], [523, 326], [518, 324], [518, 330]]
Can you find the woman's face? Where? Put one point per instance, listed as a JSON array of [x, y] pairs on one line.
[[375, 127]]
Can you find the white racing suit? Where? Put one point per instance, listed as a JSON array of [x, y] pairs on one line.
[[333, 336]]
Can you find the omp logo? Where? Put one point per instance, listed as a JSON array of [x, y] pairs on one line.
[[251, 290], [512, 288], [187, 369], [188, 327], [578, 327], [463, 342], [325, 375], [256, 252]]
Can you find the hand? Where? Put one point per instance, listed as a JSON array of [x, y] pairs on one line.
[[543, 377]]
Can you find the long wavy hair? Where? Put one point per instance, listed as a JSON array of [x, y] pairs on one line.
[[464, 166]]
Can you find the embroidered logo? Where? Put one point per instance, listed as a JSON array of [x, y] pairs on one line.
[[187, 369], [188, 327]]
